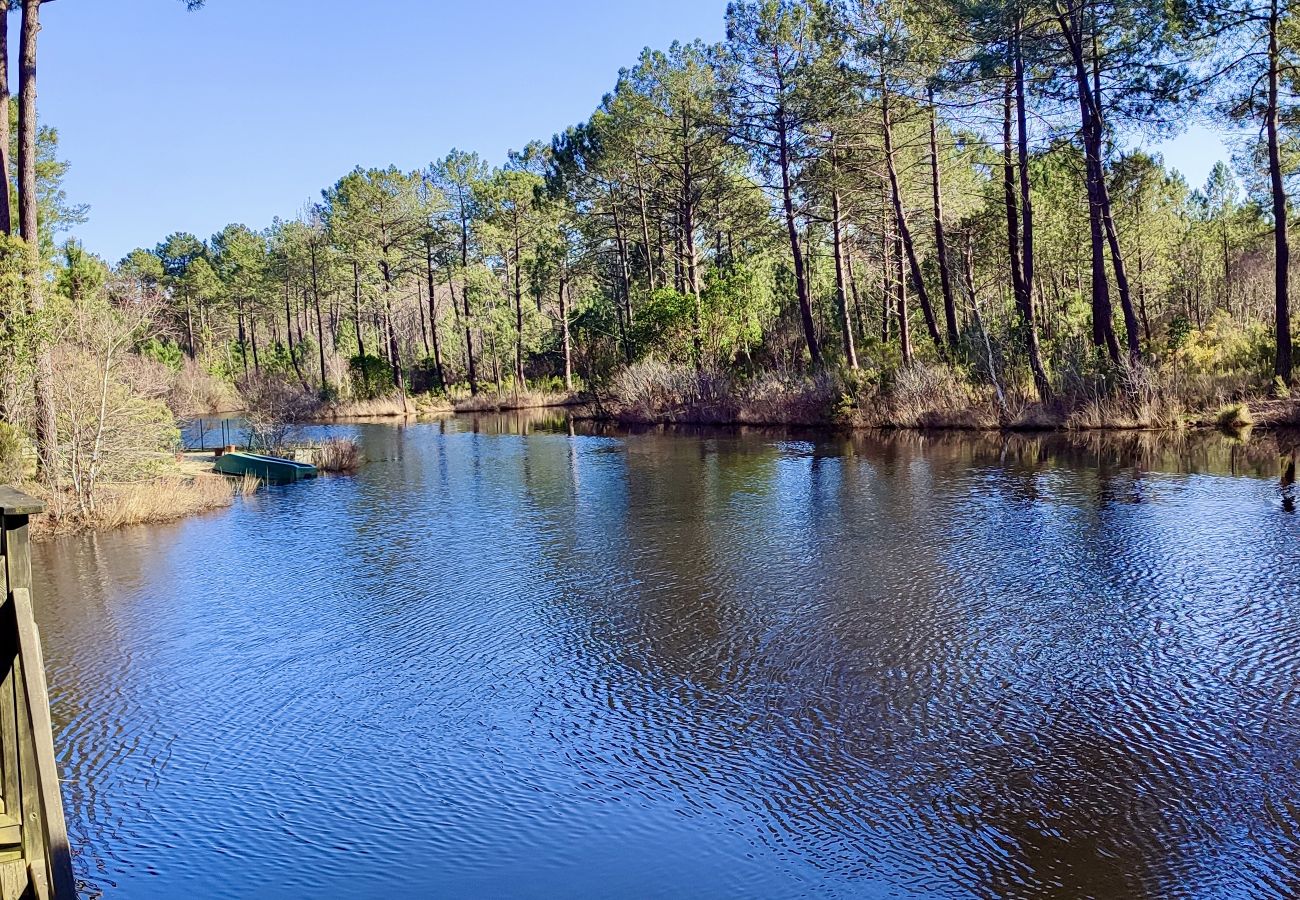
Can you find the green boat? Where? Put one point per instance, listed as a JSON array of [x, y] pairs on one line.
[[271, 469]]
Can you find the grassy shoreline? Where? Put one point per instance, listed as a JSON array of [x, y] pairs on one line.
[[167, 498], [428, 405], [958, 423], [927, 398], [194, 490]]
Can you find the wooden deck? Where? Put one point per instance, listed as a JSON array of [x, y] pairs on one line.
[[34, 857]]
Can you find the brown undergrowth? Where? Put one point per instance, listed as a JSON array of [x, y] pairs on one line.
[[924, 396]]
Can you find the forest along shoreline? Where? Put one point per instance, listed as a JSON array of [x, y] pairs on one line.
[[821, 220]]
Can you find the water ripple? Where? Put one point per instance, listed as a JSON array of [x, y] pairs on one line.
[[511, 660]]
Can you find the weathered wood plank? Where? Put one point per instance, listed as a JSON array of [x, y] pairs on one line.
[[8, 705], [13, 879], [16, 503], [42, 733], [18, 567], [29, 796], [17, 551], [36, 874], [9, 786]]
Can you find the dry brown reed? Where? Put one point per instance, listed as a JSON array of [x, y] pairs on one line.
[[159, 500], [339, 456]]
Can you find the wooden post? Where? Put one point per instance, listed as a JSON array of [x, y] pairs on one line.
[[29, 784]]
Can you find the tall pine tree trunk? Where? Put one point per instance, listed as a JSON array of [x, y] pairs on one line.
[[1028, 314], [471, 372], [940, 239], [288, 331], [243, 334], [564, 333], [841, 292], [855, 293], [625, 284], [433, 314], [1103, 326], [645, 236], [252, 340], [1009, 200], [792, 233], [6, 212], [320, 321], [900, 286], [424, 331], [356, 309], [886, 269], [520, 383], [394, 352], [464, 296], [1282, 363], [47, 438], [688, 241], [905, 233]]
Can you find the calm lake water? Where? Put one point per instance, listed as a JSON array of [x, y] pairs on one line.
[[508, 660]]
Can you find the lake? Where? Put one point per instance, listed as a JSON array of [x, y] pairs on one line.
[[522, 657]]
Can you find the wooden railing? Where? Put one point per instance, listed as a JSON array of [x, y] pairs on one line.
[[34, 856]]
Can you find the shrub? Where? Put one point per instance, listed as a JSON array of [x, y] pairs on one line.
[[653, 391], [929, 396], [162, 351], [108, 431], [777, 399], [665, 323], [274, 405], [371, 377]]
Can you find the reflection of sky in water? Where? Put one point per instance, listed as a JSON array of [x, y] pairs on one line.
[[508, 661]]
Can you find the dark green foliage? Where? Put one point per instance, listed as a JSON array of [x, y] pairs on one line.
[[371, 377], [1180, 328], [161, 350]]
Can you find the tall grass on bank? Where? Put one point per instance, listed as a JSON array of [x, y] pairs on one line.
[[1139, 397], [390, 407], [1235, 416], [248, 485], [148, 502], [921, 396], [339, 456]]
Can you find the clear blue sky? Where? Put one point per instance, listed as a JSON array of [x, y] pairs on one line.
[[177, 121]]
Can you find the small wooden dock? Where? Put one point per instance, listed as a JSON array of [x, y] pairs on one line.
[[35, 861]]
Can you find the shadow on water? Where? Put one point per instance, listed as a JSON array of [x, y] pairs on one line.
[[522, 655]]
